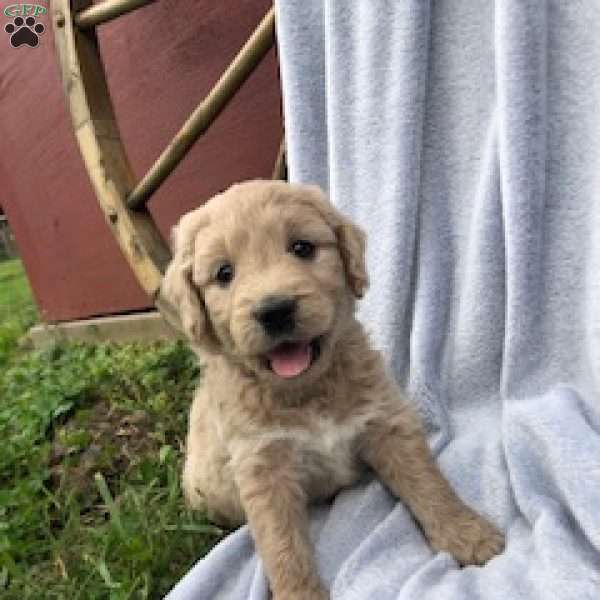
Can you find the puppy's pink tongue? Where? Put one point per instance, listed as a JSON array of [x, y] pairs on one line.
[[290, 359]]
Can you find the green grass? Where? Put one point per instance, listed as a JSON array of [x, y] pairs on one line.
[[17, 310], [90, 501]]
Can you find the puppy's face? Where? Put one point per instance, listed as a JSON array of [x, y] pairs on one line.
[[266, 274]]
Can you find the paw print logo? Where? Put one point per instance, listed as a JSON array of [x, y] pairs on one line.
[[24, 32]]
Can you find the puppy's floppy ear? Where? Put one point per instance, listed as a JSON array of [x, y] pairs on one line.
[[351, 239], [177, 287], [353, 245]]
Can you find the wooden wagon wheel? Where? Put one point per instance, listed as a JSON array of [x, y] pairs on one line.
[[122, 198]]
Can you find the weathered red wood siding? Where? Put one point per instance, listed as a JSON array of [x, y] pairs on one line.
[[161, 61]]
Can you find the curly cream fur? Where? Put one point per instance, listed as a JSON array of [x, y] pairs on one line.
[[261, 447]]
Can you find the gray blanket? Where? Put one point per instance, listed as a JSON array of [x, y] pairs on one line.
[[464, 136]]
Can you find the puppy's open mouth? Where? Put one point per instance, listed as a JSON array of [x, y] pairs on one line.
[[290, 359]]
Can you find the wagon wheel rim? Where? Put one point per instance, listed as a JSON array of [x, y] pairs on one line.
[[122, 199]]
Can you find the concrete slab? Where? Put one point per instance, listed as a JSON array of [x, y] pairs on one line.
[[138, 327]]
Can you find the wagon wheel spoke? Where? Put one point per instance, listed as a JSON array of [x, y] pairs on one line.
[[105, 11], [280, 166], [247, 59]]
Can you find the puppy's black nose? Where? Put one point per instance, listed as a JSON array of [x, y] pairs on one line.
[[277, 314]]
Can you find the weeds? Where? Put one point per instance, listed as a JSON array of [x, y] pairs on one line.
[[90, 501]]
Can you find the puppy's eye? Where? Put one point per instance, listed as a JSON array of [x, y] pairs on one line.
[[224, 274], [303, 249]]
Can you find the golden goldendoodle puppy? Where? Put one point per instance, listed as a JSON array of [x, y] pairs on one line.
[[295, 403]]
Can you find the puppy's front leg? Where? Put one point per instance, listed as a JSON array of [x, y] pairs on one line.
[[396, 447], [275, 503]]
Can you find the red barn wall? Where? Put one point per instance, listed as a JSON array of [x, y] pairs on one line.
[[161, 61]]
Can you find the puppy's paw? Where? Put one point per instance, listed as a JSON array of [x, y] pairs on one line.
[[469, 538]]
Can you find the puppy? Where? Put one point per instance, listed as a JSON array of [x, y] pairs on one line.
[[295, 403]]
